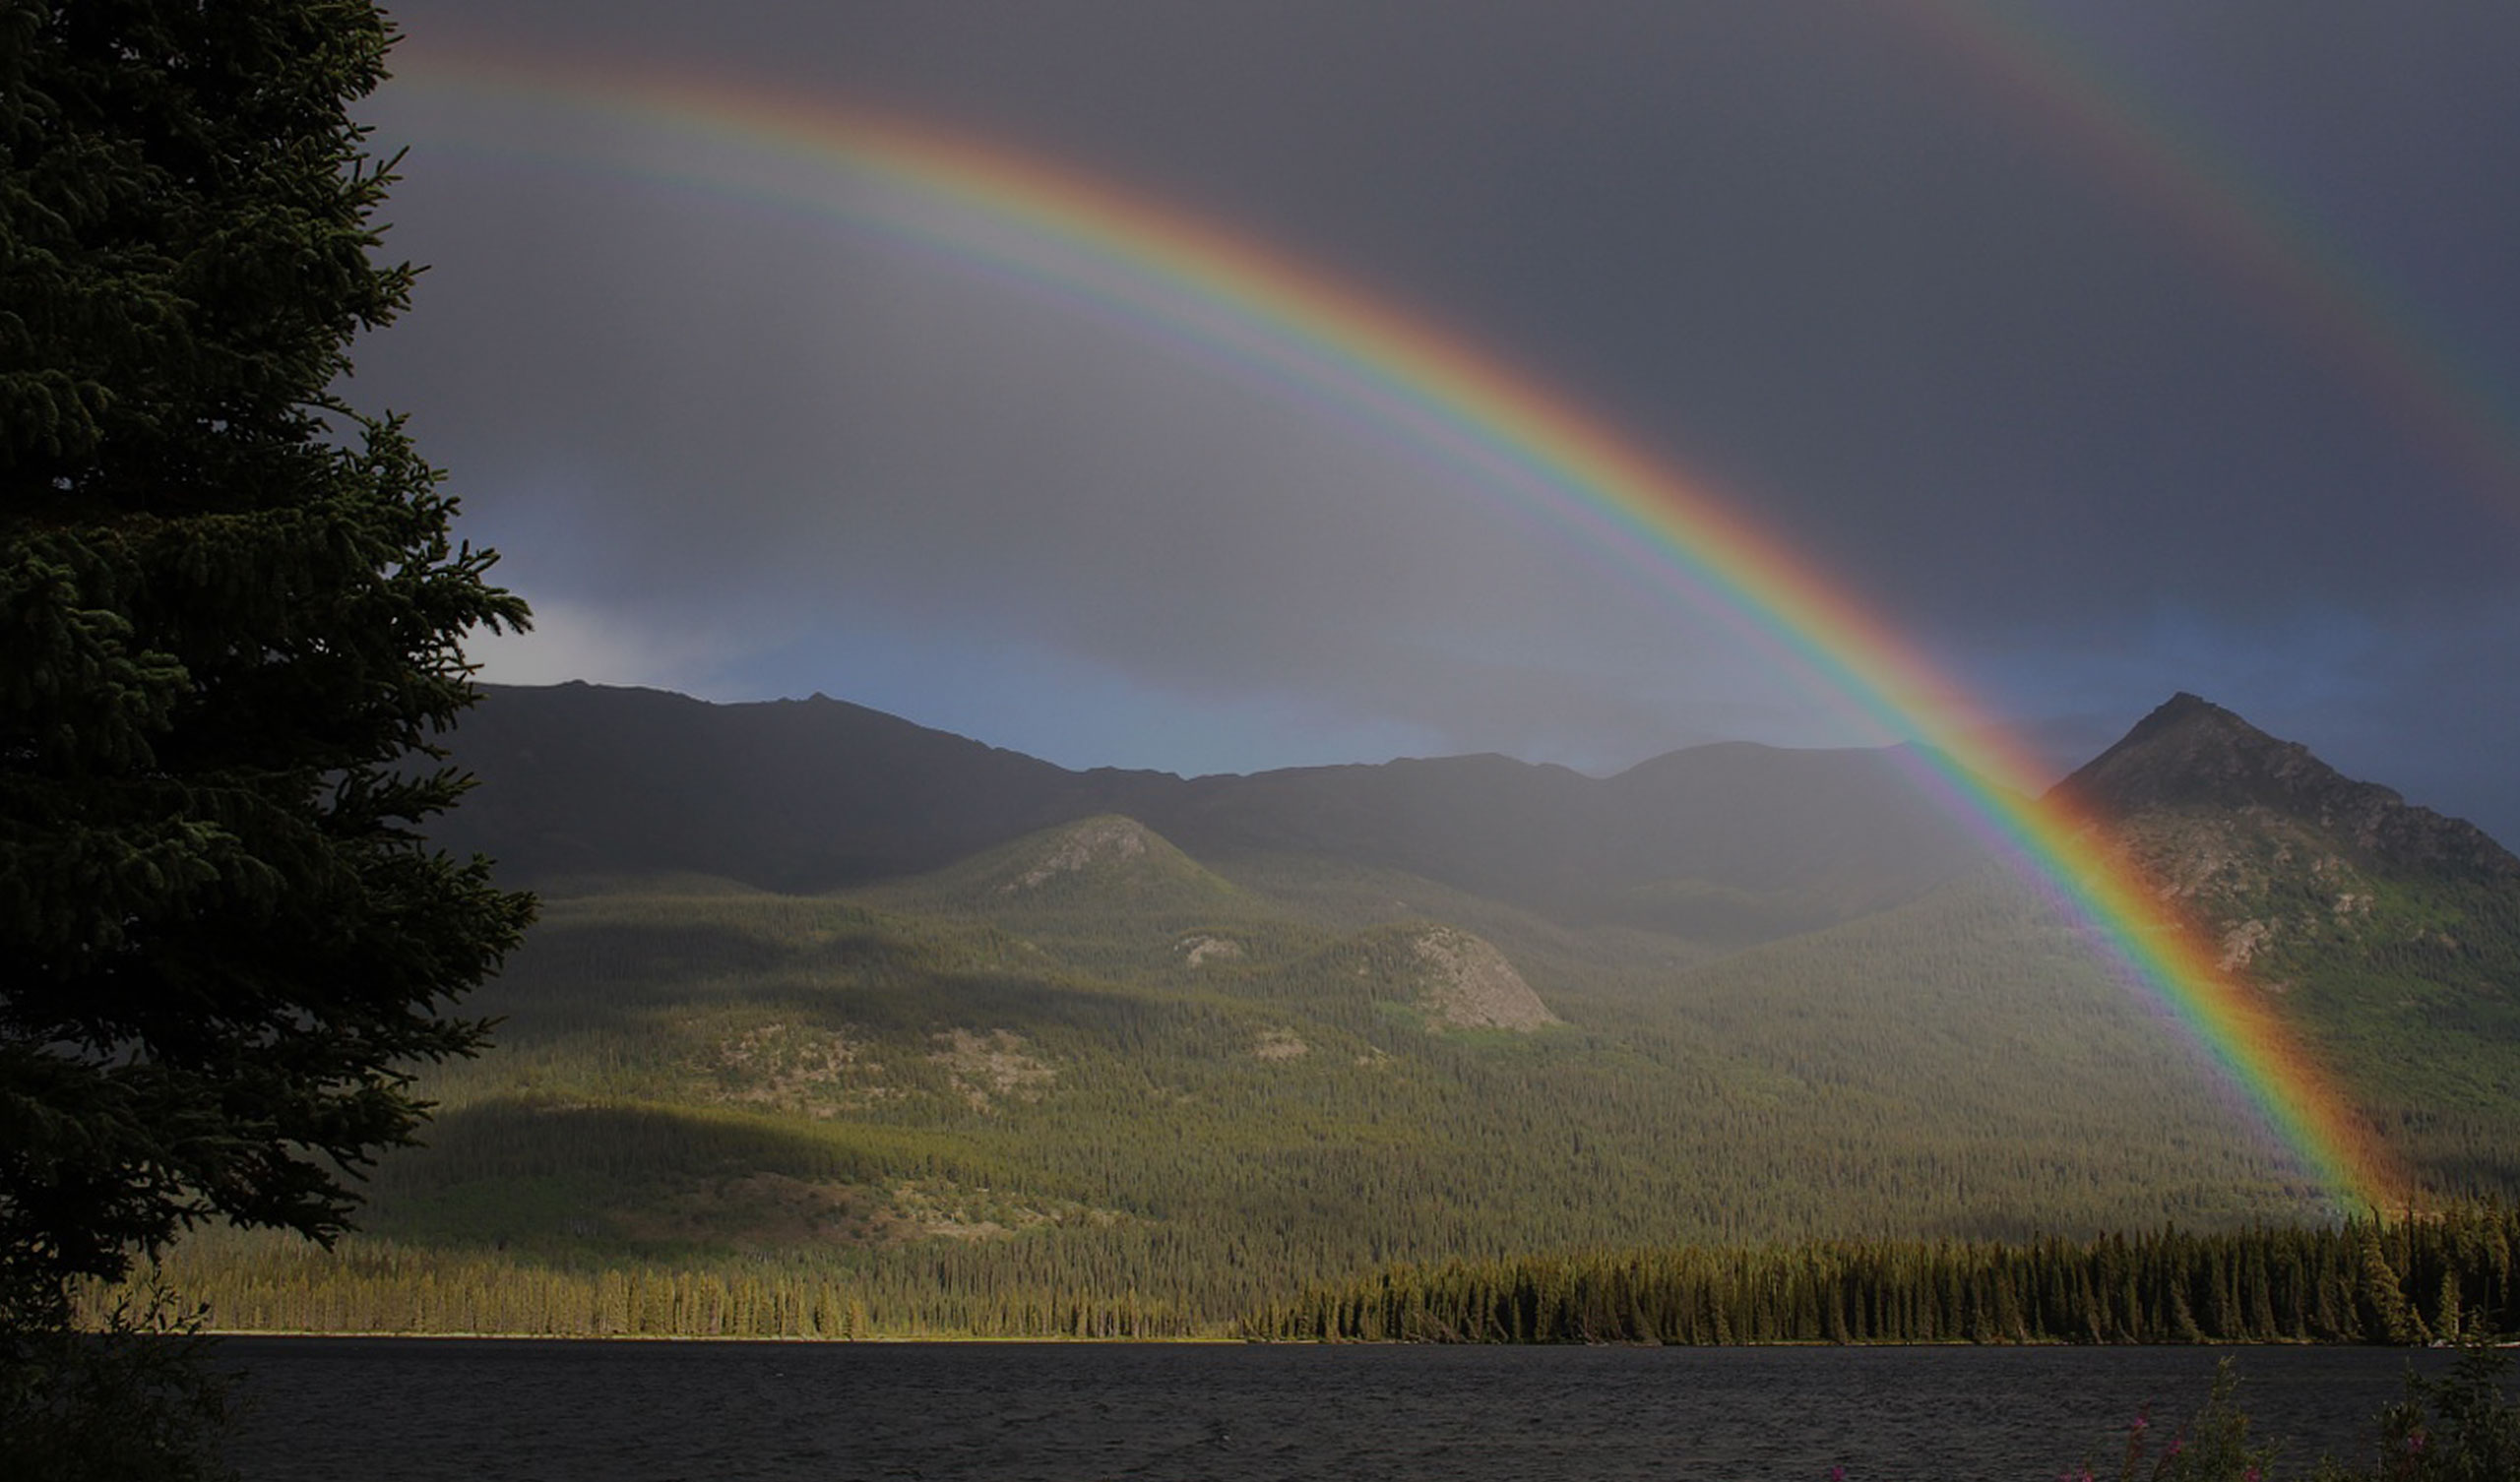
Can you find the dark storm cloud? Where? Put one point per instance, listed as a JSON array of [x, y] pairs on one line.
[[1909, 309]]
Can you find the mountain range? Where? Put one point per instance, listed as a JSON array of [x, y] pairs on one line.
[[981, 1044], [1734, 842], [1728, 843], [2382, 923]]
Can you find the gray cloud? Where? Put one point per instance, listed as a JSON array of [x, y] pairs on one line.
[[1922, 322]]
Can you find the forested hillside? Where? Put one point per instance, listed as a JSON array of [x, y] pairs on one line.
[[1090, 1081], [2389, 934]]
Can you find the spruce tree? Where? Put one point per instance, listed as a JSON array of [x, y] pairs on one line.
[[231, 606]]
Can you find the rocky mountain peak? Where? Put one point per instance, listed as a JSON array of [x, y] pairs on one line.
[[2190, 752], [2192, 756]]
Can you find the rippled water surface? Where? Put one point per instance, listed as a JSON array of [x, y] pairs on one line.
[[400, 1410]]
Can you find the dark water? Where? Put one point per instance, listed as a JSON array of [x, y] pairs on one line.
[[400, 1410]]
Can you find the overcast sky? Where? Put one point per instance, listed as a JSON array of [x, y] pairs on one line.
[[2105, 349]]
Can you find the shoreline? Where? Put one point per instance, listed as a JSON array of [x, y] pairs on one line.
[[961, 1340]]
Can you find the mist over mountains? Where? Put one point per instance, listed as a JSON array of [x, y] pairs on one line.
[[1736, 843], [1728, 843]]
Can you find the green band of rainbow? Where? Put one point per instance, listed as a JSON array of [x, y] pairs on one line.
[[1041, 223]]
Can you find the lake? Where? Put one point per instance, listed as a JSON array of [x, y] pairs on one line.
[[403, 1410]]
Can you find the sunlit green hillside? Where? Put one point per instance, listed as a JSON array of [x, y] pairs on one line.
[[1086, 1068]]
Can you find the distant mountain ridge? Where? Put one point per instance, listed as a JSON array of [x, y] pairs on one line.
[[1730, 841], [785, 795]]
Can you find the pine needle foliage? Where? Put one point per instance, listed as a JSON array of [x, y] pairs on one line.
[[2431, 1277], [231, 609]]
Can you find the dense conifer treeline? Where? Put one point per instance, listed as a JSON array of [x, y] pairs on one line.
[[2430, 1279], [2365, 1282], [958, 1291]]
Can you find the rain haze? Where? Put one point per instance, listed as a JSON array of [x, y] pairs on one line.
[[2099, 351]]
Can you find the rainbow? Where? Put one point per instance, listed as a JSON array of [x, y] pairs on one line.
[[1042, 223], [2266, 249]]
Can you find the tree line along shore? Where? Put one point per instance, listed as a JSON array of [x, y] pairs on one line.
[[2438, 1277]]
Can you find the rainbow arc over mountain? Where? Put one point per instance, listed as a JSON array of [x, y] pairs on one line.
[[1300, 327]]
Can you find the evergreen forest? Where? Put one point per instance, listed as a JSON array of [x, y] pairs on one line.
[[1082, 1084]]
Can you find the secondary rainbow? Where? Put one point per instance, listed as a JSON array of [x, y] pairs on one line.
[[2267, 248], [1046, 225]]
